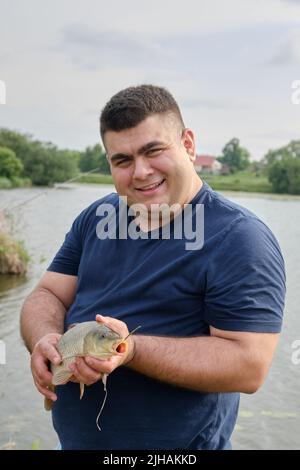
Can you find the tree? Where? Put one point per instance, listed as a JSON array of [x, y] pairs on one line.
[[291, 150], [47, 165], [283, 168], [92, 158], [284, 175], [10, 165], [15, 141], [236, 157]]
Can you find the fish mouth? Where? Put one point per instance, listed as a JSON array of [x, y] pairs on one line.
[[121, 347]]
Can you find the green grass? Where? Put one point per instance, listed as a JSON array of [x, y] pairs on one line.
[[95, 178], [238, 182], [241, 181]]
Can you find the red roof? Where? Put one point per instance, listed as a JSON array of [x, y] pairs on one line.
[[205, 160]]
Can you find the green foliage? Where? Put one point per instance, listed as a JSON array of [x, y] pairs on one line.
[[284, 176], [94, 157], [5, 183], [47, 165], [236, 157], [10, 165], [241, 181], [17, 142], [291, 150], [42, 162], [283, 168]]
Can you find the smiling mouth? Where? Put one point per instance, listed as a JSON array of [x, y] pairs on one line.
[[152, 186]]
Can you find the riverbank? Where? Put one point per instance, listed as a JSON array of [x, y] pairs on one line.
[[246, 182], [13, 255]]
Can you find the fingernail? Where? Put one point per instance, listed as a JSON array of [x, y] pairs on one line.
[[56, 360], [72, 367]]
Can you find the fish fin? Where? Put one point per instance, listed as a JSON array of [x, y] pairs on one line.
[[48, 403], [81, 390], [104, 380]]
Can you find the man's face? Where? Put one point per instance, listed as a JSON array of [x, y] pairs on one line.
[[152, 163]]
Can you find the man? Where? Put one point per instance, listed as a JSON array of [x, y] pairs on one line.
[[210, 316]]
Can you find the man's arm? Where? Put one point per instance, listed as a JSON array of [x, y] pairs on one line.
[[226, 361], [42, 323], [44, 309]]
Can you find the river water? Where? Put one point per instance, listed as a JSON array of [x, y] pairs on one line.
[[269, 419]]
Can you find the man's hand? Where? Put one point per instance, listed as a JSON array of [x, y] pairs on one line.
[[89, 370], [43, 352]]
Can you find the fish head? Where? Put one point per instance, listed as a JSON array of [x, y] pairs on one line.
[[103, 342]]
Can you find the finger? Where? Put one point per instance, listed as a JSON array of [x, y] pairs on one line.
[[84, 373], [46, 392], [106, 366], [116, 325], [39, 367], [96, 364], [50, 352]]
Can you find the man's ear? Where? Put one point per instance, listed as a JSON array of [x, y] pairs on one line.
[[189, 143]]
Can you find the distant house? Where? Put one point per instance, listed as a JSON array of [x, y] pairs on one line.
[[208, 164]]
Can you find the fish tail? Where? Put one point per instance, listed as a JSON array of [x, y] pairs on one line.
[[48, 403]]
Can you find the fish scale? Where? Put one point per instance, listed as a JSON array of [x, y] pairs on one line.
[[87, 338]]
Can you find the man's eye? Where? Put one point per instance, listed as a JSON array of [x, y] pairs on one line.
[[123, 162], [154, 151]]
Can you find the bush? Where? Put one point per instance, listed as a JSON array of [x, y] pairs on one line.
[[46, 165], [94, 157], [10, 165], [5, 183], [285, 176]]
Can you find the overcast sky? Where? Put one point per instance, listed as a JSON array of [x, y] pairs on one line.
[[229, 63]]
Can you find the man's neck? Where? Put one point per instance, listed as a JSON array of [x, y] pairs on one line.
[[151, 220]]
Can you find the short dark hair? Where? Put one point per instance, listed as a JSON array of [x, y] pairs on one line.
[[129, 107]]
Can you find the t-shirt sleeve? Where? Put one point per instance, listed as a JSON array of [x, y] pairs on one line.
[[67, 259], [245, 287]]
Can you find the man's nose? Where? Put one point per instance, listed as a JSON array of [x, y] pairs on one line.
[[142, 168]]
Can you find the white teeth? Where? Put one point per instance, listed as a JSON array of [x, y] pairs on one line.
[[151, 186]]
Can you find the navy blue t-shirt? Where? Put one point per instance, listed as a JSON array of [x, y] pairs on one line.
[[234, 282]]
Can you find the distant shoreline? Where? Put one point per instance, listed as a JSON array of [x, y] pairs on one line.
[[244, 184]]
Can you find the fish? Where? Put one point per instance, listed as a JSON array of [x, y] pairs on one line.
[[84, 339]]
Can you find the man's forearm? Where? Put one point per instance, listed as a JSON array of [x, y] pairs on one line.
[[42, 313], [206, 364]]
